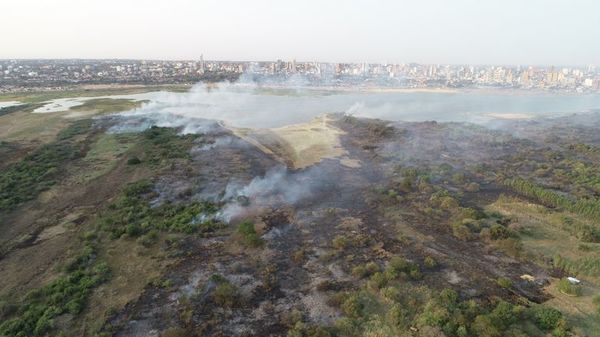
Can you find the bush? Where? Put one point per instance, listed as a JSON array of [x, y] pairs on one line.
[[504, 282], [377, 281], [37, 172], [461, 232], [67, 294], [175, 332], [328, 285], [368, 269], [352, 306], [225, 294], [430, 262], [505, 314], [546, 318], [248, 236], [512, 246], [132, 214], [483, 326], [566, 287], [499, 232], [340, 242], [597, 303], [162, 143], [472, 187], [134, 161]]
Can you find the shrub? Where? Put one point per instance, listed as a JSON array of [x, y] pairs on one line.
[[399, 265], [461, 232], [360, 271], [546, 318], [248, 235], [498, 232], [67, 294], [504, 282], [597, 303], [225, 294], [372, 267], [327, 285], [368, 269], [377, 281], [504, 315], [132, 214], [511, 246], [566, 287], [37, 172], [430, 262], [175, 332], [472, 187], [352, 306], [483, 326], [340, 242], [134, 161]]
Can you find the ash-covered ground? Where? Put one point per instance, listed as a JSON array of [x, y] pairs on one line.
[[149, 223], [300, 213]]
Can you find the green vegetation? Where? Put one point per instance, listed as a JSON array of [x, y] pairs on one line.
[[41, 96], [107, 105], [430, 262], [16, 108], [35, 313], [587, 207], [365, 270], [597, 303], [583, 231], [37, 172], [161, 144], [566, 287], [133, 215], [77, 128], [587, 265], [247, 235], [548, 318], [399, 267], [396, 309], [504, 282], [225, 294]]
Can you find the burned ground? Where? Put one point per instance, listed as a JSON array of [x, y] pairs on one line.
[[415, 215]]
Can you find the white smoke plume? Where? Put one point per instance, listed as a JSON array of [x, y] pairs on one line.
[[278, 187]]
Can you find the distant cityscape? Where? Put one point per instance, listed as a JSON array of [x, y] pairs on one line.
[[30, 75]]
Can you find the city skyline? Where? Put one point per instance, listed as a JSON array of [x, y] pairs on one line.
[[557, 32], [16, 75], [276, 59]]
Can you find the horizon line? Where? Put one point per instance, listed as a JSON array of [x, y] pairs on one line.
[[294, 60]]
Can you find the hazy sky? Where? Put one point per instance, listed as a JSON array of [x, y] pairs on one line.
[[559, 32]]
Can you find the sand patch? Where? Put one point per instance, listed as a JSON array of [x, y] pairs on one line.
[[301, 145], [509, 116]]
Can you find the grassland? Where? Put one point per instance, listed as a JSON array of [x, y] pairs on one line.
[[548, 239]]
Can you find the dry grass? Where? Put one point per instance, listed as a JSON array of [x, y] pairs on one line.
[[300, 145], [132, 266], [546, 237]]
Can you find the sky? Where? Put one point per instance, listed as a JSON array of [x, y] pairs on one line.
[[533, 32]]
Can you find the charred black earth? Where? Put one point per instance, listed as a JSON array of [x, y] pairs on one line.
[[396, 229]]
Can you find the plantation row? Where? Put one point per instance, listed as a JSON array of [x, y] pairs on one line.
[[589, 208]]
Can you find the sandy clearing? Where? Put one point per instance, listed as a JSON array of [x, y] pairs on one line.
[[509, 116], [301, 145]]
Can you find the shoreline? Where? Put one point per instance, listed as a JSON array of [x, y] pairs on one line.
[[89, 89]]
